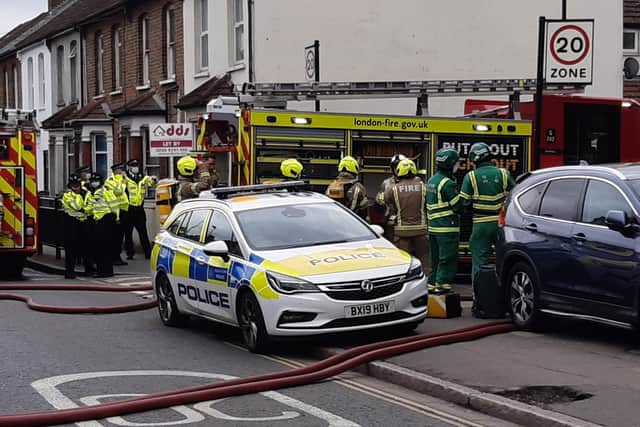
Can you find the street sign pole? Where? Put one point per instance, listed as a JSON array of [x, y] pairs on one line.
[[539, 86]]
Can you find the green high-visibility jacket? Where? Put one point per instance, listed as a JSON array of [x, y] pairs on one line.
[[485, 189], [443, 204]]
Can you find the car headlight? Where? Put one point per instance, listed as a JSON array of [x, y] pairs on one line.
[[415, 269], [289, 285]]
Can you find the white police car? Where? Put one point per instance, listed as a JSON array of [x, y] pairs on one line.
[[281, 263]]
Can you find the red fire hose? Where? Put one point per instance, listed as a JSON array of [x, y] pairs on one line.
[[324, 369]]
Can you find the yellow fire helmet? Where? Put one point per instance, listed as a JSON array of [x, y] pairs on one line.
[[349, 164], [291, 168], [406, 167], [187, 166]]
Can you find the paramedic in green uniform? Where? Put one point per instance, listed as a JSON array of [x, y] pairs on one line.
[[484, 189], [443, 206]]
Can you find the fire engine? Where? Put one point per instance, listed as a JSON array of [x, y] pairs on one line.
[[18, 191]]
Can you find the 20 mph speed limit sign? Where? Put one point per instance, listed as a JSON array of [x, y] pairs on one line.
[[569, 51]]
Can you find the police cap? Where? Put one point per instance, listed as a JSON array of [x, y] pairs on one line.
[[133, 162], [83, 169], [117, 166]]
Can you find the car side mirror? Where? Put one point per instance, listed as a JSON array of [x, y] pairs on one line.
[[377, 229], [217, 248], [617, 220]]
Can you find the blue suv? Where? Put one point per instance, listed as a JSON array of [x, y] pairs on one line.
[[569, 245]]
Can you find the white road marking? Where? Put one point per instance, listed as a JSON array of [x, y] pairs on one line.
[[48, 389]]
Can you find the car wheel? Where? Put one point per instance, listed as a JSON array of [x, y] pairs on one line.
[[523, 296], [167, 306], [254, 332]]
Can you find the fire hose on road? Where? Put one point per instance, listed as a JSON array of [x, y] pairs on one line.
[[324, 369]]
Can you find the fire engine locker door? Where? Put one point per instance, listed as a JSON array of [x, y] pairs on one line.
[[592, 134], [12, 217]]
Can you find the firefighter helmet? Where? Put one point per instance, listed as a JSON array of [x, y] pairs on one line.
[[397, 158], [187, 166], [291, 168], [349, 164], [406, 169], [446, 159], [479, 152]]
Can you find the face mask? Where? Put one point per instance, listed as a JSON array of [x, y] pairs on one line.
[[94, 184], [134, 170]]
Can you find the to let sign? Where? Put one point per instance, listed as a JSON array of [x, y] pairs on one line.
[[170, 139], [569, 51]]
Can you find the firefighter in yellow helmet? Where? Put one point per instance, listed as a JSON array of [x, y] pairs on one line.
[[187, 187], [347, 190], [407, 201], [291, 169]]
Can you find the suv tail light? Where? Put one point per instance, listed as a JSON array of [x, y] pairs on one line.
[[501, 217]]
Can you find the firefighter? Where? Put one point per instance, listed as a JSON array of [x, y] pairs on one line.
[[346, 188], [388, 220], [118, 185], [102, 204], [484, 189], [137, 184], [406, 200], [206, 172], [187, 188], [75, 216], [443, 208], [422, 174], [291, 169]]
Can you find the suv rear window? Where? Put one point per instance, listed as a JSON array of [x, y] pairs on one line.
[[562, 198], [529, 201]]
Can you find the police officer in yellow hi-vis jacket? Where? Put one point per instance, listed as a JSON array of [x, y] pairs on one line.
[[117, 184], [137, 184], [75, 216], [103, 206]]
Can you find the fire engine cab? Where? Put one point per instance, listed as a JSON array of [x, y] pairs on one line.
[[18, 191]]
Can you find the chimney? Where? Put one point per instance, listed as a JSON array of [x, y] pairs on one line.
[[55, 3]]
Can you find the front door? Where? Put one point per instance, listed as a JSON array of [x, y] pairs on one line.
[[11, 207], [592, 134]]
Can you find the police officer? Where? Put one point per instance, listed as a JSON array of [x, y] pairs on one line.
[[484, 189], [118, 185], [206, 171], [291, 169], [406, 200], [187, 187], [137, 184], [75, 215], [347, 189], [443, 206], [389, 222], [102, 204], [84, 172]]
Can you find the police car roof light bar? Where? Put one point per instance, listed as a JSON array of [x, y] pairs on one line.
[[225, 192]]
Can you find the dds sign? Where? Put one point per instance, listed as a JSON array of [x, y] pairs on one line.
[[569, 52], [170, 139]]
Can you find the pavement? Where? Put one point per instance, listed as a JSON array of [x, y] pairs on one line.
[[573, 373]]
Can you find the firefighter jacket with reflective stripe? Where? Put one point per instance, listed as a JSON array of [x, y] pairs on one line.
[[187, 189], [485, 189], [206, 176], [443, 204], [137, 188], [347, 190], [102, 202], [406, 200], [73, 204], [118, 185]]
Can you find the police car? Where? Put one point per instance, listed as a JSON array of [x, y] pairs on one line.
[[282, 263]]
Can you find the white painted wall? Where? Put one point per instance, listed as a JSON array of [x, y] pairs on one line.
[[43, 106], [422, 40]]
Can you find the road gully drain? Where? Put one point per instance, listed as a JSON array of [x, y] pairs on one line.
[[544, 395]]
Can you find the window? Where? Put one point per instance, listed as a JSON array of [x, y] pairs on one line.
[[194, 226], [117, 59], [100, 154], [561, 199], [99, 64], [144, 51], [73, 70], [41, 93], [30, 83], [15, 88], [237, 31], [6, 89], [220, 229], [72, 146], [630, 41], [529, 201], [174, 228], [60, 74], [170, 43], [601, 198], [202, 35]]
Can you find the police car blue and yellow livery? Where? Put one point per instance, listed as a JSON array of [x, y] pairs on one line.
[[282, 263]]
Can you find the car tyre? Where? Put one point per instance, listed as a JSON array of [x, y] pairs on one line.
[[251, 320], [523, 296], [167, 306]]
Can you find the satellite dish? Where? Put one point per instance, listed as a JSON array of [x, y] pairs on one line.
[[631, 68]]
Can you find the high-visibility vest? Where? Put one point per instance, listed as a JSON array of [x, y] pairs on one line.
[[104, 202], [73, 204], [442, 201], [137, 190], [486, 188], [118, 185]]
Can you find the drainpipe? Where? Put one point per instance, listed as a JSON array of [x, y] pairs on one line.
[[250, 19]]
